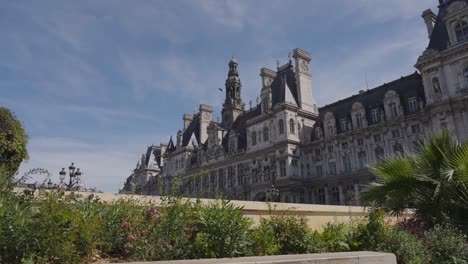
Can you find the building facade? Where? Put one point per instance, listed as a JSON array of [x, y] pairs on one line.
[[311, 154]]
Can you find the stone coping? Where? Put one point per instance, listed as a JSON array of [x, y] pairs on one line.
[[357, 257]]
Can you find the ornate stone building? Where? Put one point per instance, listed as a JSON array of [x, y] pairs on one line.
[[311, 154]]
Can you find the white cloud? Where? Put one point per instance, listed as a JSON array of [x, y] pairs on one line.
[[105, 166]]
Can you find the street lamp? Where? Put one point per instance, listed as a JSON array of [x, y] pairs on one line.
[[272, 193], [74, 175]]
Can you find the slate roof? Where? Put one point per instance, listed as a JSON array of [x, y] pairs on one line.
[[193, 128], [406, 87], [278, 89], [239, 127], [156, 151], [439, 38]]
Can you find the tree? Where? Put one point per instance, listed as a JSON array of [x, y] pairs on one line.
[[434, 182], [13, 141]]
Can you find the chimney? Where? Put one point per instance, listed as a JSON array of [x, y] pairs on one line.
[[187, 119], [206, 116], [429, 19], [179, 139]]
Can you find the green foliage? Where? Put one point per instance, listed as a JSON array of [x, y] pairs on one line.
[[372, 234], [434, 182], [13, 141], [447, 245], [222, 230], [407, 248], [335, 237], [291, 233]]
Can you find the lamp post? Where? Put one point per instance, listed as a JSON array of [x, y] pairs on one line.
[[74, 177]]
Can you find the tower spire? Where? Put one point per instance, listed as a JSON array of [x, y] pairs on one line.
[[233, 105]]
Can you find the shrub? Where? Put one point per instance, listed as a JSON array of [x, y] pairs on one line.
[[290, 232], [408, 248], [447, 245], [373, 234], [222, 230], [335, 237], [263, 240]]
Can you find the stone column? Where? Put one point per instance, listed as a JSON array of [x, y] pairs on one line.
[[356, 194], [327, 199], [342, 197]]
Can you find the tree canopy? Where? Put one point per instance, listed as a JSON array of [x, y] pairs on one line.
[[433, 182], [13, 141]]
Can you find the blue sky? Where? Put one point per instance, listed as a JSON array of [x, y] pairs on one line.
[[96, 82]]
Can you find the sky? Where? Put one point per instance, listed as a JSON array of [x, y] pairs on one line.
[[97, 82]]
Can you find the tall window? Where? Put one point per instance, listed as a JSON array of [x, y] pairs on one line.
[[461, 31], [398, 149], [318, 133], [321, 196], [377, 138], [254, 138], [335, 195], [379, 153], [465, 74], [291, 126], [265, 134], [319, 171], [281, 126], [415, 128], [332, 168], [259, 136], [393, 109], [346, 163], [331, 128], [412, 104], [395, 133], [362, 159], [375, 114], [282, 168], [436, 86]]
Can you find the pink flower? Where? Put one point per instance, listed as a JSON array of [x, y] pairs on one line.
[[128, 246], [126, 225], [131, 237], [150, 213]]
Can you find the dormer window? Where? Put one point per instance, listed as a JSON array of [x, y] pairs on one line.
[[393, 109], [375, 114], [412, 104], [344, 124], [461, 31], [436, 86], [359, 122]]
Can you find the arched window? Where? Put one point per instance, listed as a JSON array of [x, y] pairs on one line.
[[281, 126], [291, 126], [265, 134], [436, 86], [254, 138], [461, 31], [465, 74]]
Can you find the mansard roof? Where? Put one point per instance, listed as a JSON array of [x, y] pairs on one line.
[[406, 87], [439, 38], [284, 83], [240, 128]]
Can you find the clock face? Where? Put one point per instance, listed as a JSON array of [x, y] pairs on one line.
[[304, 66]]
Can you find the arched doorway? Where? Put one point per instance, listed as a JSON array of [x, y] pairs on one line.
[[260, 197]]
